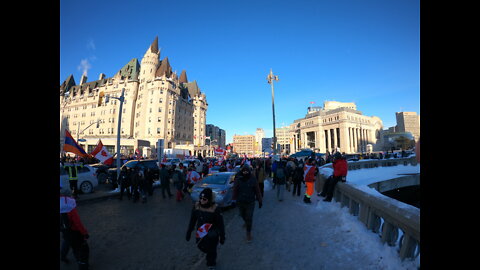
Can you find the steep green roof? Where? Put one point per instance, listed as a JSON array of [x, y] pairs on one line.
[[131, 70]]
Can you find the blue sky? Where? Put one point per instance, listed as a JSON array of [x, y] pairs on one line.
[[367, 52]]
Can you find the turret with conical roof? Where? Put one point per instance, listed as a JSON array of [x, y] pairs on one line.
[[183, 77], [150, 62], [165, 69]]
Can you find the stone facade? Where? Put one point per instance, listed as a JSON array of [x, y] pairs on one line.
[[337, 126], [158, 105]]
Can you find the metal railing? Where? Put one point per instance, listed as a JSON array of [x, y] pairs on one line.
[[396, 223]]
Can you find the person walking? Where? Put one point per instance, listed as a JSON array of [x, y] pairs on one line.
[[207, 219], [289, 169], [149, 179], [280, 179], [309, 171], [297, 179], [125, 182], [260, 175], [245, 192], [136, 176], [340, 169], [165, 181], [192, 178], [73, 231], [178, 181], [142, 184]]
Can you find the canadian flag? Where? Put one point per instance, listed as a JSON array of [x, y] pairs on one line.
[[203, 230], [101, 153], [220, 151]]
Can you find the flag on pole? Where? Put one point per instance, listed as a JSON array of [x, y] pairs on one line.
[[71, 145], [101, 153]]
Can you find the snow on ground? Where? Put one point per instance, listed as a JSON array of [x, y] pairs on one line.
[[290, 234]]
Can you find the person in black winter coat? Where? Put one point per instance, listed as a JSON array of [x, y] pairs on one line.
[[245, 191], [297, 179], [207, 219], [165, 181], [125, 182]]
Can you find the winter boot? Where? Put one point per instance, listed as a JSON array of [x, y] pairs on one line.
[[305, 198]]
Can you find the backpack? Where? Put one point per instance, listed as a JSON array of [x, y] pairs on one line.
[[280, 173]]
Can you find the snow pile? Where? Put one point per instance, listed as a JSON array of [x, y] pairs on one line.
[[355, 237]]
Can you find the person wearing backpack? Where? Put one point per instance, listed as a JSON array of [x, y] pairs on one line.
[[280, 179], [73, 232]]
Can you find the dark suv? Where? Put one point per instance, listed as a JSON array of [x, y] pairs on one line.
[[143, 163]]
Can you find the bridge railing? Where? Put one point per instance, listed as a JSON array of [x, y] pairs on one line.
[[397, 223]]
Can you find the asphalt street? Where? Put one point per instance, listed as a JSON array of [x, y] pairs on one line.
[[286, 235]]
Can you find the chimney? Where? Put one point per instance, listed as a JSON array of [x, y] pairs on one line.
[[102, 76], [83, 79]]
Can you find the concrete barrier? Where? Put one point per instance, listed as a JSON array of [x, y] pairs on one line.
[[397, 223]]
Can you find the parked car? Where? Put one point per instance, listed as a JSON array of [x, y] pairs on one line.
[[102, 170], [87, 179], [198, 164], [143, 163], [172, 161], [221, 185]]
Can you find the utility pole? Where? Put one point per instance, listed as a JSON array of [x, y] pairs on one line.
[[121, 99], [270, 79]]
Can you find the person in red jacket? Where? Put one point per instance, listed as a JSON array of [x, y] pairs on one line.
[[74, 233], [340, 169], [309, 172]]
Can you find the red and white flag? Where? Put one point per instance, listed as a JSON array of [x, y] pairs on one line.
[[203, 230], [101, 153], [220, 152]]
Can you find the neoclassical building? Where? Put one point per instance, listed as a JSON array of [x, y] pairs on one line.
[[158, 105], [337, 125]]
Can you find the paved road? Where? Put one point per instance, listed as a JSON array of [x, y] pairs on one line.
[[287, 235]]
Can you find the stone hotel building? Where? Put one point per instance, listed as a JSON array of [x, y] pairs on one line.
[[158, 105]]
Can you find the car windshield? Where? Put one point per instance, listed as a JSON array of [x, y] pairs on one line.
[[216, 179], [131, 164]]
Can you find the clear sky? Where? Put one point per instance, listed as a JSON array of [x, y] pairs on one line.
[[367, 52]]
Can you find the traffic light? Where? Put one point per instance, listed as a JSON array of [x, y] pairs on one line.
[[100, 98]]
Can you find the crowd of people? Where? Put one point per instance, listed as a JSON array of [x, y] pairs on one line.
[[287, 174]]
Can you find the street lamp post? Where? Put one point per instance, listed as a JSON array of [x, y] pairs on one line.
[[270, 79], [78, 129], [121, 99]]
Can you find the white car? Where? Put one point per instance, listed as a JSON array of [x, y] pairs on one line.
[[87, 179], [198, 164]]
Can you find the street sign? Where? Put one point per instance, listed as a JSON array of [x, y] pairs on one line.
[[267, 145]]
